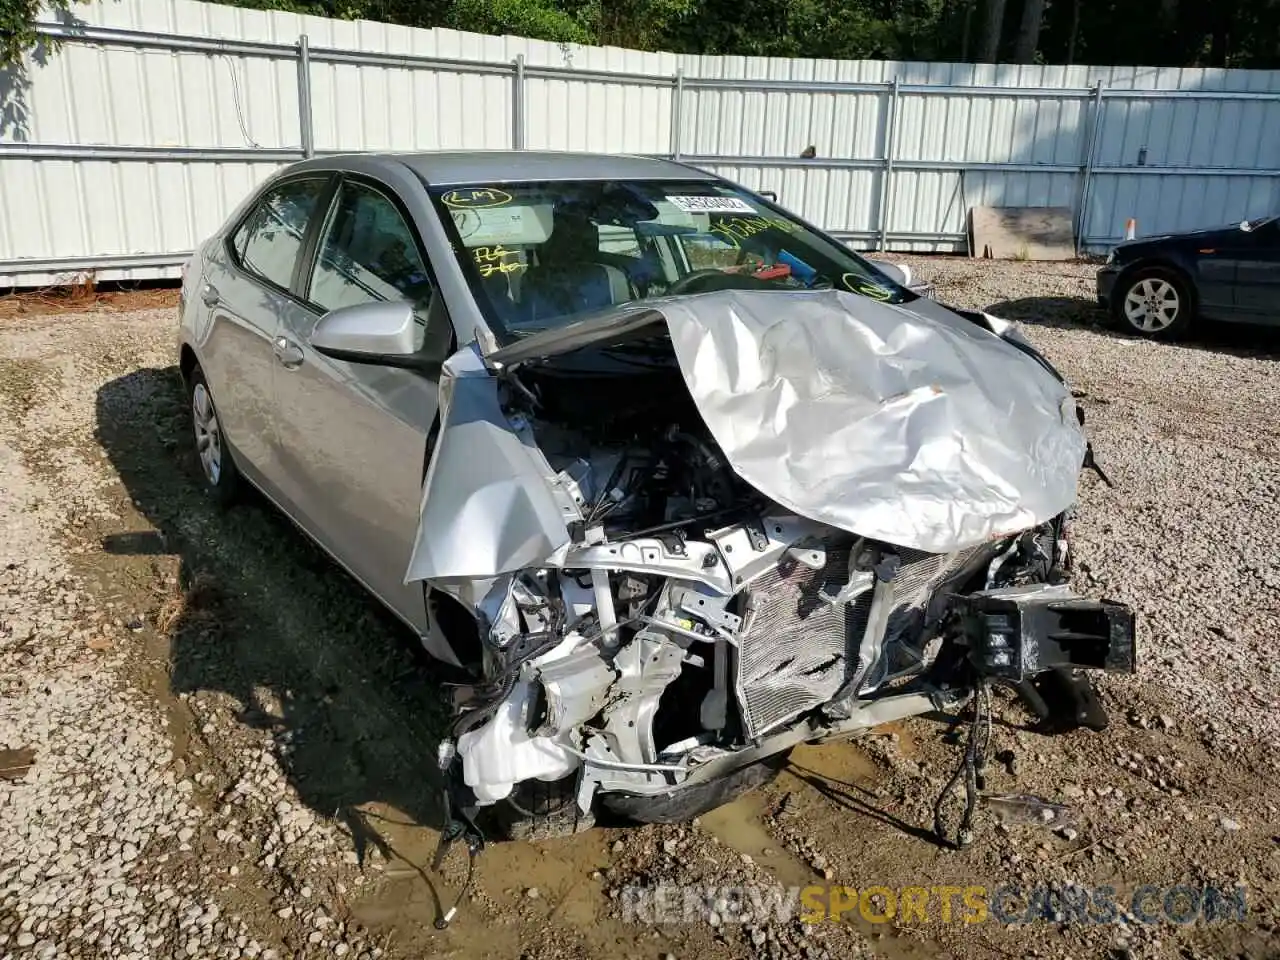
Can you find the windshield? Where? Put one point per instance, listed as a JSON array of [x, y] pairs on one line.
[[538, 255]]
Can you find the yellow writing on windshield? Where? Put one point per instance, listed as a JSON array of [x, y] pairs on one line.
[[733, 230], [469, 198], [865, 287], [491, 260]]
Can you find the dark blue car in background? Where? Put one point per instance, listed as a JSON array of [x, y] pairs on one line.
[[1158, 287]]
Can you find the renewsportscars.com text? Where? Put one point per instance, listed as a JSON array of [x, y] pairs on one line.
[[1002, 903]]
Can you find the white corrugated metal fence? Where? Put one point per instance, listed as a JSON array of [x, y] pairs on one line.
[[124, 147]]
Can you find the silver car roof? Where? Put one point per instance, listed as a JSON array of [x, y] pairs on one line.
[[447, 167]]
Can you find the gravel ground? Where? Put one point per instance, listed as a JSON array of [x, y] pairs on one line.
[[230, 746]]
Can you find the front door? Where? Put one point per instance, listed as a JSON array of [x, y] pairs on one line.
[[353, 437], [1217, 282], [1258, 276]]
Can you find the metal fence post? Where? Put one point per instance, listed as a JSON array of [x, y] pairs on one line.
[[304, 97], [517, 105], [886, 178], [677, 114], [1086, 168]]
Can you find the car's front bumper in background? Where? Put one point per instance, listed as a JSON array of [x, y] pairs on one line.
[[1107, 277]]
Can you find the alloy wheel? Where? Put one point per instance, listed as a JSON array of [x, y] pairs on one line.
[[1152, 305], [208, 433]]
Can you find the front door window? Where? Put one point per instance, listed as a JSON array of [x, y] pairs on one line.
[[367, 253]]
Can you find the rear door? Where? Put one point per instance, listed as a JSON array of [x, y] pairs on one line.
[[353, 437], [245, 290]]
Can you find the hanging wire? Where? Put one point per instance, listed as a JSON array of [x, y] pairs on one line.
[[235, 96], [971, 770]]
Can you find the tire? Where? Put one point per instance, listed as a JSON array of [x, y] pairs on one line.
[[540, 810], [218, 471], [1153, 302], [693, 801]]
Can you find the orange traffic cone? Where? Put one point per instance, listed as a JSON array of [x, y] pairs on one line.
[[1131, 229]]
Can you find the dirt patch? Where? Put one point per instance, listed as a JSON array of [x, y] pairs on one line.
[[86, 298], [233, 745]]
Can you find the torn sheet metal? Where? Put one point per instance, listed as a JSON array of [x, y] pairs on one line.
[[487, 505], [910, 426]]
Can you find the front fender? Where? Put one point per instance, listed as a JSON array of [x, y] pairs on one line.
[[488, 506]]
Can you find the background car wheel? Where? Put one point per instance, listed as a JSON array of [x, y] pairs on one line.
[[217, 468], [689, 802], [1154, 302]]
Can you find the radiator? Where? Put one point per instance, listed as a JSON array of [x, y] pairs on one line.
[[796, 650]]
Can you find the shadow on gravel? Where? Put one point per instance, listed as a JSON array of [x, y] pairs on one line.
[[1066, 312], [1236, 339], [854, 798], [268, 618]]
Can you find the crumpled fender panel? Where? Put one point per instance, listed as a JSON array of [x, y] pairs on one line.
[[902, 425], [487, 506]]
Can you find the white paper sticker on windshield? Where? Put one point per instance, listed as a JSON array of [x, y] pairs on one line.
[[711, 204], [514, 224]]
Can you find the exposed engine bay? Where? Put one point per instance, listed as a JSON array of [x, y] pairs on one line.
[[688, 625], [693, 625]]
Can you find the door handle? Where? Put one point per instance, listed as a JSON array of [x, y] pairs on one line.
[[209, 294], [287, 352]]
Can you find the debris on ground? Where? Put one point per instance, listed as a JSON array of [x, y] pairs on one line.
[[14, 764]]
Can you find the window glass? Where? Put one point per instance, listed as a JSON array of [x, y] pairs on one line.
[[269, 241], [367, 253], [538, 255]]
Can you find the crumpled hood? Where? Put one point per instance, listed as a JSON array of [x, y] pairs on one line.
[[911, 426]]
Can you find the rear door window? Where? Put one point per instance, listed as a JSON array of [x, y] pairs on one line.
[[269, 241]]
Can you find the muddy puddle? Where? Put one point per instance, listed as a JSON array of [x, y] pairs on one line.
[[522, 892], [501, 916], [740, 826]]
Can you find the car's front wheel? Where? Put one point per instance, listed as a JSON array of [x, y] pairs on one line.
[[685, 803], [217, 468], [1154, 302]]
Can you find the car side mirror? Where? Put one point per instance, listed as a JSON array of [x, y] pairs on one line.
[[769, 195], [899, 273], [382, 333]]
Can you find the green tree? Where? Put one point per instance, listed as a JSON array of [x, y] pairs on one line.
[[1231, 33], [1029, 31], [992, 31], [537, 19], [17, 26], [642, 24]]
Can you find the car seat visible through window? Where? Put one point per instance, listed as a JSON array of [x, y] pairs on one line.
[[569, 277]]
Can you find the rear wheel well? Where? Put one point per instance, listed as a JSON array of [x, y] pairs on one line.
[[187, 362]]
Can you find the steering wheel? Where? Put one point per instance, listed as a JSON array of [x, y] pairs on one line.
[[690, 282]]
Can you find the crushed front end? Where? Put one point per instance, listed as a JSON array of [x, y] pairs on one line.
[[649, 663], [689, 616]]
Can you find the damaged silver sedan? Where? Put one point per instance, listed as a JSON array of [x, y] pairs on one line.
[[676, 479]]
